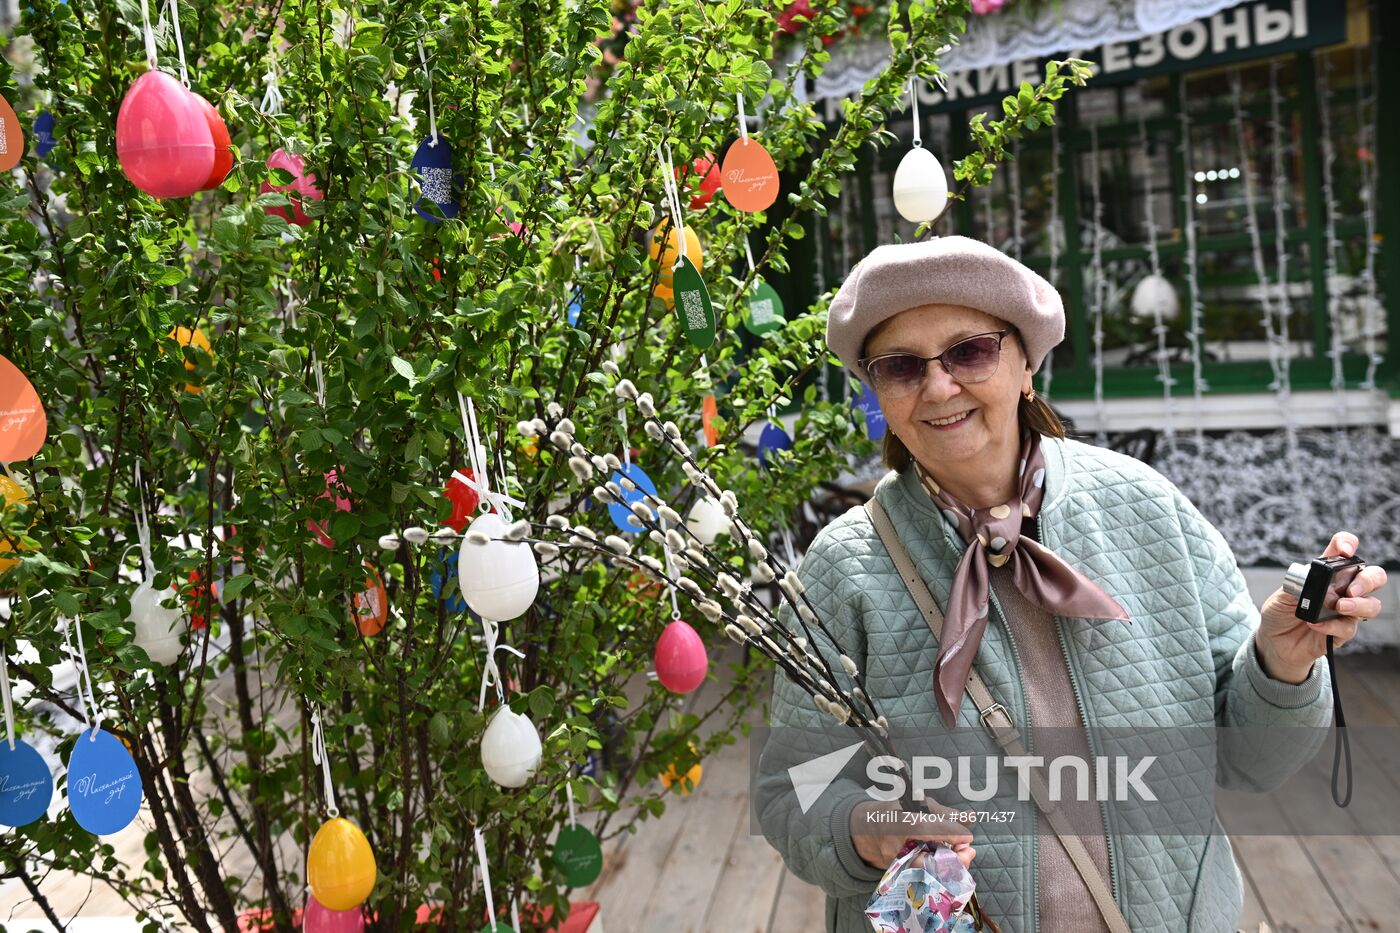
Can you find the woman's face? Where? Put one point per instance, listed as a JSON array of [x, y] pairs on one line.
[[992, 427]]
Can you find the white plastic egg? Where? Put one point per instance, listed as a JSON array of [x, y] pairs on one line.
[[920, 186], [510, 748], [707, 520], [1155, 296], [157, 627], [499, 579]]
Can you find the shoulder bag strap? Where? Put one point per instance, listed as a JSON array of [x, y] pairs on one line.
[[997, 720]]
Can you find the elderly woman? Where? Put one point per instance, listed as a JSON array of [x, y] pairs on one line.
[[1078, 585]]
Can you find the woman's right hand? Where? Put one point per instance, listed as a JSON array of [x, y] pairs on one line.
[[879, 830]]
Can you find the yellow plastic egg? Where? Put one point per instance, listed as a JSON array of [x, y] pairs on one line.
[[664, 251], [13, 494], [186, 337], [340, 867], [689, 781]]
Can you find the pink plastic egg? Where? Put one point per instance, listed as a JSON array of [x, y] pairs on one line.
[[163, 138], [681, 662], [303, 186], [321, 919]]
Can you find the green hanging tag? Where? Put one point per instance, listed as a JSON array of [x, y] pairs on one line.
[[765, 311], [579, 856], [693, 305]]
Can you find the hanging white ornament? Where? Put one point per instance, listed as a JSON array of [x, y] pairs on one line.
[[1155, 297], [499, 579], [920, 184], [511, 748], [707, 520], [157, 626]]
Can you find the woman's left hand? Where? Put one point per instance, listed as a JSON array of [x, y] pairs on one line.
[[1288, 646]]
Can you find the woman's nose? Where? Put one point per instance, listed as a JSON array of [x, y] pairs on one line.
[[938, 386]]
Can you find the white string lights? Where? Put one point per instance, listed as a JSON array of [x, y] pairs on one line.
[[1159, 326], [1366, 105], [1283, 301], [1335, 349], [1096, 301], [1193, 285], [1047, 367]]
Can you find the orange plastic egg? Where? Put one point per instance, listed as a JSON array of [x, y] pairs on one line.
[[13, 494], [664, 250], [186, 337]]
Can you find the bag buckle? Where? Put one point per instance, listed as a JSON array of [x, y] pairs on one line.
[[989, 711]]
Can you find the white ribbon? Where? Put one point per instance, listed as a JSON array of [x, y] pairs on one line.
[[476, 457], [428, 79], [179, 43], [150, 37], [491, 671], [272, 97], [93, 721], [143, 528], [670, 585], [514, 914], [319, 756], [914, 101], [673, 200], [5, 692], [626, 445], [485, 876], [743, 130]]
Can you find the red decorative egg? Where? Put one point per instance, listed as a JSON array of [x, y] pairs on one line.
[[464, 500], [163, 138], [681, 661], [223, 144], [702, 179]]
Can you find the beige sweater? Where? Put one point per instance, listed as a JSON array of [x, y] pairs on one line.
[[1064, 901]]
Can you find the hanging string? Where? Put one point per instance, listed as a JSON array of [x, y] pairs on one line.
[[514, 914], [1283, 302], [432, 111], [1193, 330], [319, 756], [476, 457], [150, 37], [743, 128], [568, 792], [626, 445], [10, 708], [491, 671], [914, 103], [179, 42], [670, 585], [1159, 327], [485, 875], [271, 103], [673, 200], [143, 527], [1097, 300], [93, 721], [748, 254]]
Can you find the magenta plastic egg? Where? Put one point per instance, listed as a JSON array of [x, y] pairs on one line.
[[163, 138], [681, 661], [321, 919]]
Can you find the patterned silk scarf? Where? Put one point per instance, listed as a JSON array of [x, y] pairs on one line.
[[993, 536]]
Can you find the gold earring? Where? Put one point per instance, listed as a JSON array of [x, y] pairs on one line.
[[1030, 396]]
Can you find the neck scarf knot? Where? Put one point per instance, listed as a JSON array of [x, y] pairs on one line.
[[993, 538]]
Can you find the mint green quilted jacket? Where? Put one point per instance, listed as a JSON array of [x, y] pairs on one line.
[[1187, 658]]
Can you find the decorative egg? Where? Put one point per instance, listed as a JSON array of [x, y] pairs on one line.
[[664, 250], [433, 163], [13, 494], [920, 186], [510, 748], [749, 176], [23, 423], [44, 141], [223, 151], [688, 781], [702, 179], [340, 867], [707, 520], [772, 439], [163, 139], [158, 627], [318, 918], [1155, 297], [499, 579], [342, 504], [11, 137], [680, 658], [186, 337], [198, 600], [303, 185], [371, 604], [464, 499]]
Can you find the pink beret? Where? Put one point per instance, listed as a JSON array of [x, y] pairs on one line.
[[945, 270]]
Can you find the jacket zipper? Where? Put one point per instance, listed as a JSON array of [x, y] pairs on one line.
[[1088, 737]]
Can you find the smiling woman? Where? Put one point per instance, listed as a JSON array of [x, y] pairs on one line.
[[1087, 589]]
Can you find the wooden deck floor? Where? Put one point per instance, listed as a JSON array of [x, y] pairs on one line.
[[699, 869]]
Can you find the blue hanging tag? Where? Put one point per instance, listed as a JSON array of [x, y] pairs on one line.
[[26, 786], [444, 580], [104, 787], [773, 439], [865, 402], [43, 134], [620, 514], [433, 163]]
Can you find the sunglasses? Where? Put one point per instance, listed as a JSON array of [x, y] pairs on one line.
[[972, 359]]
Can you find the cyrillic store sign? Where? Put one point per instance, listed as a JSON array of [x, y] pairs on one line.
[[1256, 29]]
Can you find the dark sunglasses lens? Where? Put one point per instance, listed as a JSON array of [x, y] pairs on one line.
[[973, 359], [899, 372]]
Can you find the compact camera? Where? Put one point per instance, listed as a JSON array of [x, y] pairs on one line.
[[1319, 584]]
